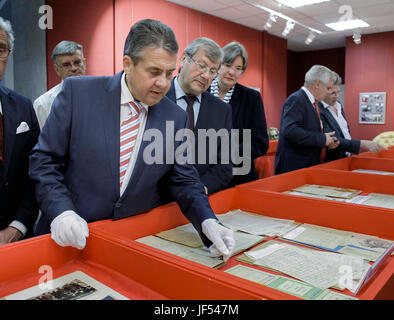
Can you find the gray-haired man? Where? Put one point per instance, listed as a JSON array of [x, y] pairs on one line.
[[302, 141], [199, 65], [68, 61]]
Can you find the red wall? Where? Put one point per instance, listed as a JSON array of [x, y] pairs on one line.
[[274, 71], [369, 68], [88, 22], [102, 27]]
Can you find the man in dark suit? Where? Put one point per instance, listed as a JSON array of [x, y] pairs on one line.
[[199, 64], [302, 142], [91, 163], [333, 118], [19, 132]]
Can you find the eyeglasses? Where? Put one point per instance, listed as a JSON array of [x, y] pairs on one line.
[[236, 69], [203, 67], [4, 52], [66, 65]]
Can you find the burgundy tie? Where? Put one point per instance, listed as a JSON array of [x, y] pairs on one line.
[[189, 109], [323, 150]]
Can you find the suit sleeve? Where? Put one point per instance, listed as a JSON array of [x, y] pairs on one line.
[[27, 212], [345, 145], [49, 157], [188, 191], [293, 126], [218, 176]]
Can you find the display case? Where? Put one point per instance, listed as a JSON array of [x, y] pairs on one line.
[[272, 204]]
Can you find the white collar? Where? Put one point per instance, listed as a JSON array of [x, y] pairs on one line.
[[125, 94]]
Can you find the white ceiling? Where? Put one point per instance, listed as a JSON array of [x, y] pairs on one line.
[[379, 14]]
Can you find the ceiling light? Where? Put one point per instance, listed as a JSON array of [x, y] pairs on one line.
[[348, 24], [299, 3], [310, 38], [270, 21], [356, 37], [288, 28]]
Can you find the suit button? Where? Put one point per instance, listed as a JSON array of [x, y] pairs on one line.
[[118, 205]]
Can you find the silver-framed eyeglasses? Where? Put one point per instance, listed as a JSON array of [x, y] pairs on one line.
[[4, 52], [203, 67]]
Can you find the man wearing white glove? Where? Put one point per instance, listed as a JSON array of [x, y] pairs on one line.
[[89, 163], [69, 229]]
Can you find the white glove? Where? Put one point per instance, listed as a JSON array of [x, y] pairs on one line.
[[222, 238], [69, 229]]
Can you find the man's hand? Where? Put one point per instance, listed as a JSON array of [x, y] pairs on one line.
[[221, 237], [330, 139], [371, 146], [69, 229], [9, 234]]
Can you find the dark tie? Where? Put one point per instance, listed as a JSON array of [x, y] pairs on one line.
[[1, 137], [323, 150], [189, 109]]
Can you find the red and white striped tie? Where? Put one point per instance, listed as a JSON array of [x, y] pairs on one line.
[[128, 137]]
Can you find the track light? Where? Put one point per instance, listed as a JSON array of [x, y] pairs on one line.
[[272, 19], [289, 27], [310, 38], [356, 37]]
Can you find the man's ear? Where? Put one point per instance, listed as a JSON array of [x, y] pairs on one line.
[[56, 68], [128, 64]]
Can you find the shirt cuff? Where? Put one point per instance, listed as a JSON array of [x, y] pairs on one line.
[[18, 225]]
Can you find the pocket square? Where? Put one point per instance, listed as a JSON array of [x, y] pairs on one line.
[[23, 127]]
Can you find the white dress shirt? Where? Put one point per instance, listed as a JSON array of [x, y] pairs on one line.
[[43, 104], [16, 224], [336, 112]]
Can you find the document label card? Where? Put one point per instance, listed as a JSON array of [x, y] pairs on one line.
[[258, 254], [294, 233]]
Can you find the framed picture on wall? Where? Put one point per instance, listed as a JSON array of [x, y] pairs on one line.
[[372, 108]]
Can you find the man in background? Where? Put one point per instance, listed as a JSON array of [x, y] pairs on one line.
[[199, 65], [19, 132], [302, 142], [333, 118], [68, 62]]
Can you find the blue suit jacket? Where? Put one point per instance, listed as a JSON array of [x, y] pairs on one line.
[[76, 161], [17, 194], [248, 113], [300, 137], [345, 145], [214, 114]]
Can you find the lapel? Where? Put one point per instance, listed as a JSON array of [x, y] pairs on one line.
[[203, 115], [171, 92], [235, 102], [111, 126], [11, 120], [310, 104], [332, 122]]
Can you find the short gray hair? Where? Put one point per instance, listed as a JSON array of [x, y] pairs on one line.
[[149, 33], [65, 47], [232, 50], [5, 25], [337, 79], [318, 72], [210, 48]]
